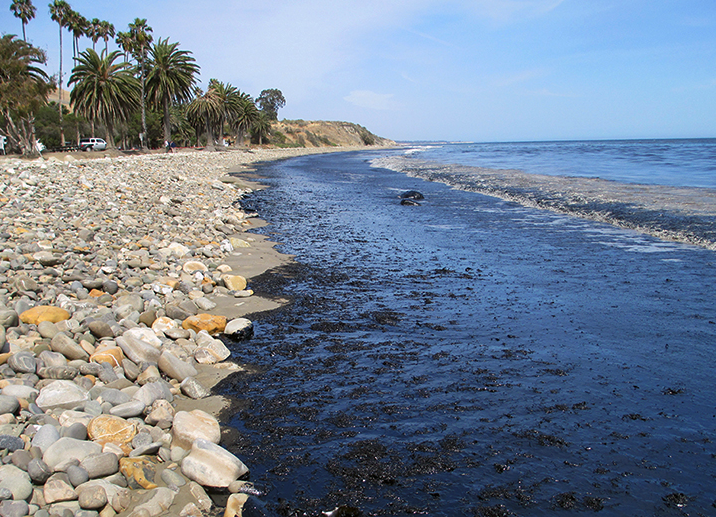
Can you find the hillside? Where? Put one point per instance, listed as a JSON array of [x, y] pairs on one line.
[[305, 133]]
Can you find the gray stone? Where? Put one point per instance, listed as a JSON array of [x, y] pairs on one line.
[[66, 450], [39, 471], [100, 465], [21, 458], [15, 480], [20, 391], [204, 304], [76, 430], [92, 498], [45, 436], [138, 351], [8, 404], [91, 369], [100, 329], [61, 394], [160, 500], [153, 391], [174, 367], [58, 372], [113, 396], [110, 287], [9, 318], [11, 443], [128, 409], [65, 345], [14, 509], [192, 388], [177, 333], [148, 449], [50, 359], [22, 362], [131, 370], [77, 475], [171, 477], [47, 329], [176, 313]]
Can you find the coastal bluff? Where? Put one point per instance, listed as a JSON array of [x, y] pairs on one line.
[[321, 133]]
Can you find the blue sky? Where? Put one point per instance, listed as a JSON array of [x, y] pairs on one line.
[[478, 70]]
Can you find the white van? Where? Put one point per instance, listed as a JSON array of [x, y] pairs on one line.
[[93, 144]]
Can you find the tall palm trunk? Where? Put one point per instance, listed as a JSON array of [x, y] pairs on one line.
[[167, 119], [62, 129], [144, 111]]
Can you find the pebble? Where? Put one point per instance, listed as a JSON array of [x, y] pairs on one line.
[[98, 277]]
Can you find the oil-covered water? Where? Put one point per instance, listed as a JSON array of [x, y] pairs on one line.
[[471, 356]]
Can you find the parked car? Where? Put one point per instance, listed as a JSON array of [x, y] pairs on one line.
[[93, 144]]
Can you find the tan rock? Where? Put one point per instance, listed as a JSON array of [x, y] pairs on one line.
[[139, 472], [188, 426], [42, 313], [235, 505], [194, 265], [112, 355], [213, 324], [107, 428], [234, 282]]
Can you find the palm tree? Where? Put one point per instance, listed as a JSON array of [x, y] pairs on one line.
[[25, 11], [248, 116], [228, 99], [205, 109], [141, 38], [171, 78], [261, 127], [78, 26], [124, 40], [24, 88], [104, 90], [105, 31], [93, 31], [59, 12]]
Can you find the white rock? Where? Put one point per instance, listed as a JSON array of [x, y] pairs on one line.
[[61, 394], [189, 426], [211, 465]]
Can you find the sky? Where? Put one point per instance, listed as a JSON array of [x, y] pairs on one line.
[[455, 70]]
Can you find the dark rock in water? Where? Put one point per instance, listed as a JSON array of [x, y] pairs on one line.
[[409, 202], [411, 194]]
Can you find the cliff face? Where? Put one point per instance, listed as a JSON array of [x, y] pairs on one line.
[[305, 133]]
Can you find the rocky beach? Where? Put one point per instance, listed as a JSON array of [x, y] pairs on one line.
[[117, 277]]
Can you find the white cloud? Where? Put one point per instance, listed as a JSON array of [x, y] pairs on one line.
[[371, 100]]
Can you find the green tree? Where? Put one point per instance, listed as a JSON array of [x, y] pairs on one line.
[[124, 40], [261, 128], [205, 110], [104, 90], [171, 78], [25, 11], [246, 118], [60, 12], [93, 31], [140, 39], [24, 88], [105, 31], [270, 102], [79, 26]]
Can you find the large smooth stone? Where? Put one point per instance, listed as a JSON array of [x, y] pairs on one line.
[[16, 480], [100, 465], [45, 436], [174, 367], [213, 324], [211, 352], [239, 329], [58, 488], [159, 502], [65, 450], [61, 394], [112, 355], [234, 282], [137, 350], [8, 404], [66, 346], [192, 388], [139, 472], [154, 391], [189, 426], [23, 362], [211, 465], [111, 429], [42, 313], [144, 334]]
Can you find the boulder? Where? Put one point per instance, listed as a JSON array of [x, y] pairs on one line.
[[36, 315], [239, 329], [211, 465], [111, 429], [189, 426], [174, 367], [66, 346], [61, 394], [213, 324], [66, 451], [16, 480], [137, 350]]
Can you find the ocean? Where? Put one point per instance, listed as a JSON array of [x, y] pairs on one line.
[[481, 354]]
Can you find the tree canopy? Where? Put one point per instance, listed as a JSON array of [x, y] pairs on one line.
[[271, 101]]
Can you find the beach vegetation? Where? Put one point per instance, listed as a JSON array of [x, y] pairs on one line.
[[24, 89], [47, 128], [60, 13], [104, 90], [261, 128], [25, 11], [171, 78], [139, 41], [270, 101]]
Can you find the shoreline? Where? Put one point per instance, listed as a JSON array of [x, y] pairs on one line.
[[125, 251], [675, 214]]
